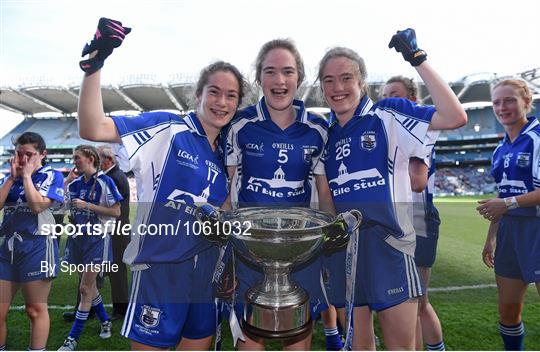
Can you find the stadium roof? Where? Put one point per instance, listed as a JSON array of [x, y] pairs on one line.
[[179, 95]]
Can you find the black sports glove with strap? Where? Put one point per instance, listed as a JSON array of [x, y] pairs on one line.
[[109, 35], [336, 238], [217, 233], [338, 234], [405, 43]]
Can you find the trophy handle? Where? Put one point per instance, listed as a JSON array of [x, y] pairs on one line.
[[353, 219]]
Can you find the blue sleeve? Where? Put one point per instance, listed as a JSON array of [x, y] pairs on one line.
[[4, 179], [56, 188], [113, 195], [133, 124], [144, 136], [408, 108]]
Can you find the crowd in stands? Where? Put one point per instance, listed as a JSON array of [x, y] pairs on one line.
[[464, 181]]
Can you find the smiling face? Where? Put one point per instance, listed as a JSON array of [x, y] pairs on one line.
[[279, 79], [509, 106], [218, 101], [341, 84]]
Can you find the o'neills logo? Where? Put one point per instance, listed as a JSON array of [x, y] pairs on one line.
[[394, 291]]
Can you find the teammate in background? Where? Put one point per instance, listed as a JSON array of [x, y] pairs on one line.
[[426, 223], [178, 165], [278, 144], [27, 195], [513, 239], [367, 157], [93, 200], [119, 239]]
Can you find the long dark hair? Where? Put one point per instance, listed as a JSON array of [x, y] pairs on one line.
[[217, 67], [32, 138]]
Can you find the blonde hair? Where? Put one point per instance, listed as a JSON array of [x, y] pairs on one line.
[[408, 83], [520, 87]]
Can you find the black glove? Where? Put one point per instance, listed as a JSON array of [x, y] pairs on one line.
[[213, 230], [336, 237], [405, 43], [109, 35]]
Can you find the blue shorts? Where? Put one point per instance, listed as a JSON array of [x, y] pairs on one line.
[[517, 254], [171, 301], [385, 277], [426, 251], [88, 249], [308, 276], [34, 257]]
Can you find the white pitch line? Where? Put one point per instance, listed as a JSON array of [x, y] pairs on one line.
[[460, 288], [68, 308], [431, 289]]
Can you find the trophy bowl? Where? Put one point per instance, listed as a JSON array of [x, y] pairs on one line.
[[276, 240]]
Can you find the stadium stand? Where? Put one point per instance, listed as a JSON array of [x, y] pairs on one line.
[[463, 155]]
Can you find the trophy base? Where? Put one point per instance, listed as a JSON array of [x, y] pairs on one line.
[[277, 323]]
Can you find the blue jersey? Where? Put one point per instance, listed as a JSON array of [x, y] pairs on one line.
[[18, 216], [367, 163], [275, 166], [516, 166], [99, 189], [176, 170], [426, 216]]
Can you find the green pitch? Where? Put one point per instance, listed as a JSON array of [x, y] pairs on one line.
[[469, 316]]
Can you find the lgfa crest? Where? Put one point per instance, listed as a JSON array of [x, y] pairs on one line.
[[308, 153], [368, 141], [150, 316], [523, 159]]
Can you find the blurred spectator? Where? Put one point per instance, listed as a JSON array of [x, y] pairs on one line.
[[118, 279], [464, 181]]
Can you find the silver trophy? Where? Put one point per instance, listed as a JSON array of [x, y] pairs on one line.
[[278, 239]]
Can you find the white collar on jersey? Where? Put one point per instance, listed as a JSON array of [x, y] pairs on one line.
[[298, 105], [532, 122], [362, 109], [192, 121]]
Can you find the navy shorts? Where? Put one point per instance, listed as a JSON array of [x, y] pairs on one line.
[[385, 277], [33, 257], [171, 301], [88, 249], [426, 251], [517, 254]]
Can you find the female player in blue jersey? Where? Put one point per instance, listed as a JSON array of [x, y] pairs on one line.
[[367, 157], [177, 164], [513, 239], [27, 195], [273, 156], [94, 203], [426, 223]]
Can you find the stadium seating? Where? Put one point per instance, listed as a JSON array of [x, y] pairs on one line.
[[460, 153]]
